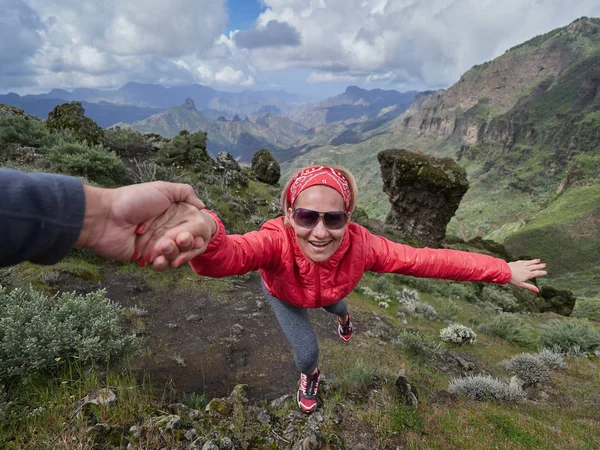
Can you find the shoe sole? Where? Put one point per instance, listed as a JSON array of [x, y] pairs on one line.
[[343, 338]]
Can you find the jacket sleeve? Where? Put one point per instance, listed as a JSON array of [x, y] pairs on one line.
[[238, 254], [384, 255], [41, 216]]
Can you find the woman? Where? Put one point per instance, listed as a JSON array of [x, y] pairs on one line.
[[314, 256]]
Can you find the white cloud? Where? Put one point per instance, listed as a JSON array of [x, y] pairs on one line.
[[401, 43], [429, 43], [315, 77]]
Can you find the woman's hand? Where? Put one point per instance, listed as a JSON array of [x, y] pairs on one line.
[[521, 271], [180, 234]]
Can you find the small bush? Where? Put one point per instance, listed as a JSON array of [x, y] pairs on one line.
[[458, 334], [148, 171], [187, 149], [40, 333], [358, 375], [587, 308], [529, 368], [486, 387], [94, 163], [554, 360], [408, 296], [456, 291], [450, 310], [424, 310], [24, 130], [511, 328], [503, 299], [126, 142], [570, 336], [420, 347], [195, 401]]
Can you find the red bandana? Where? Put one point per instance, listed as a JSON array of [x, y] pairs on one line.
[[319, 175]]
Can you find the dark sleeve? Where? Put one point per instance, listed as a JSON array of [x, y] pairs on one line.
[[41, 216]]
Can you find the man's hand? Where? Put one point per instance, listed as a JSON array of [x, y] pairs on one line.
[[112, 216], [526, 270], [179, 235]]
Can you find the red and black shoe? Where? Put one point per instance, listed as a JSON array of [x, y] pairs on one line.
[[345, 330], [307, 393]]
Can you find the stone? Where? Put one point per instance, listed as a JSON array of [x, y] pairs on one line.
[[218, 406], [263, 417], [275, 207], [265, 167], [168, 423], [557, 301], [226, 444], [230, 170], [424, 192], [280, 402], [407, 392], [179, 408], [210, 445], [71, 116], [190, 435]]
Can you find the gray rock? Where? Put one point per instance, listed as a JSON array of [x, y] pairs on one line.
[[407, 392], [275, 207], [190, 435], [237, 329], [264, 418], [424, 192], [265, 167], [226, 444], [280, 402], [135, 431], [210, 445], [179, 408]]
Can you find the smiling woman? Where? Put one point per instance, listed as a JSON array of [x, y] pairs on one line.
[[313, 257]]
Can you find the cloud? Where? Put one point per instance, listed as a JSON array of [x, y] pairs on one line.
[[315, 77], [422, 43], [273, 34]]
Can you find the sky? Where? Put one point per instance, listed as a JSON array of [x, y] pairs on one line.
[[311, 47]]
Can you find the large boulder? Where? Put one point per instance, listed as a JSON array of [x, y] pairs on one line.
[[557, 301], [424, 191], [71, 116], [230, 170], [265, 167]]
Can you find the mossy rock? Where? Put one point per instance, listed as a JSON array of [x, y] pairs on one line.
[[265, 167], [218, 406], [70, 116]]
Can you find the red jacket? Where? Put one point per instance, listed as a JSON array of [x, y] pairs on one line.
[[294, 279]]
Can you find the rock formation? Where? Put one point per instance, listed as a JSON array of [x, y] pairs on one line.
[[424, 191], [265, 167]]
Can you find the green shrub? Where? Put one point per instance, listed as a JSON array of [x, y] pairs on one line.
[[587, 308], [126, 142], [358, 375], [187, 149], [486, 387], [570, 336], [24, 130], [195, 401], [39, 334], [458, 334], [94, 163], [511, 328], [529, 368], [500, 297], [456, 291], [420, 347]]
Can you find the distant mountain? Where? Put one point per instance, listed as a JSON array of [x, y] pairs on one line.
[[526, 127], [240, 137], [354, 105], [105, 114], [157, 96]]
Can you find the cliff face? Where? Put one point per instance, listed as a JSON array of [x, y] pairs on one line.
[[495, 87]]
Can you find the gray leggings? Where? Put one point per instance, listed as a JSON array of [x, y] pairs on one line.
[[295, 324]]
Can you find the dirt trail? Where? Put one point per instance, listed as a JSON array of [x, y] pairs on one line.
[[204, 334]]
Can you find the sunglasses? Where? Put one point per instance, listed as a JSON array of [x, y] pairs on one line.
[[307, 218]]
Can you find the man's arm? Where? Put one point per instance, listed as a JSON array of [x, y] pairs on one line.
[[41, 216]]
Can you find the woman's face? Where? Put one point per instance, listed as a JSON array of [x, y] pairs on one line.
[[318, 243]]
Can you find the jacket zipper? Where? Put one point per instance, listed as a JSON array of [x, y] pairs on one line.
[[318, 290]]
